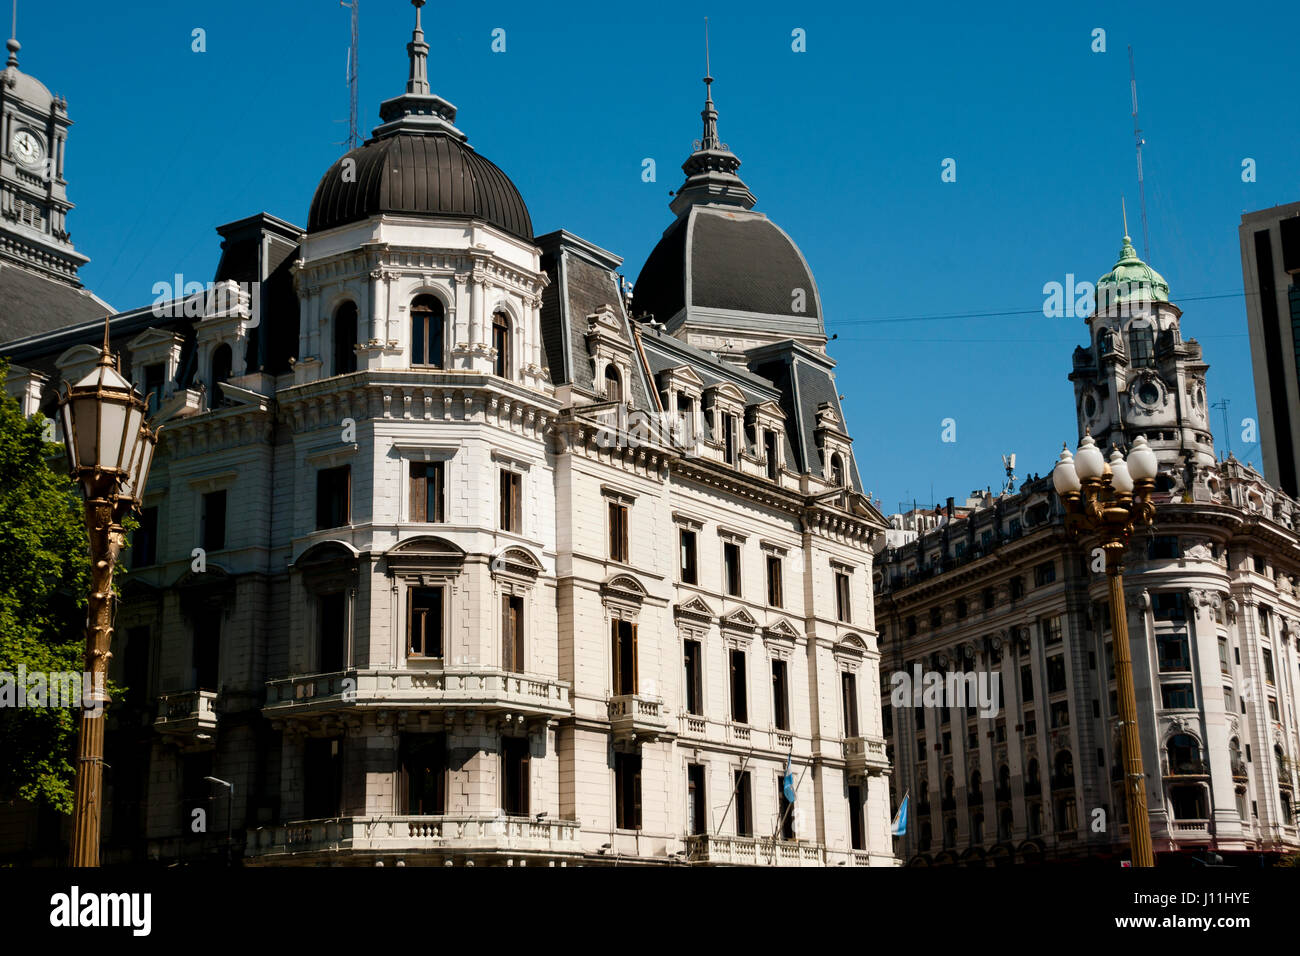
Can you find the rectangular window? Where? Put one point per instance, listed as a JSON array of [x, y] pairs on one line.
[[729, 439], [1268, 666], [689, 558], [153, 388], [1177, 696], [731, 566], [144, 540], [332, 628], [212, 521], [511, 503], [697, 820], [625, 669], [333, 491], [1223, 656], [780, 696], [427, 491], [1056, 673], [1026, 683], [1272, 708], [424, 622], [617, 532], [694, 678], [1163, 547], [627, 791], [1017, 585], [512, 633], [1229, 701], [784, 810], [1168, 607], [1060, 714], [849, 701], [739, 703], [843, 610], [855, 817], [514, 776], [770, 453], [774, 596], [989, 599], [1050, 629], [1172, 652], [207, 651], [1044, 573], [744, 805], [423, 784], [322, 777]]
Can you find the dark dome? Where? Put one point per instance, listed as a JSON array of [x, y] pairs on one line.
[[410, 173], [724, 258]]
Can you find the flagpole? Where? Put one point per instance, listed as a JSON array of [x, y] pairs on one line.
[[780, 822]]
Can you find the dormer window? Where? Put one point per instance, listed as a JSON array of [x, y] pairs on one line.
[[345, 339], [427, 331], [770, 453], [837, 471], [501, 344], [222, 360], [729, 438], [613, 384], [154, 378]]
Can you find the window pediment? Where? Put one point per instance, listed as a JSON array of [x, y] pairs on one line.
[[516, 561], [739, 620], [424, 554], [624, 588], [695, 610]]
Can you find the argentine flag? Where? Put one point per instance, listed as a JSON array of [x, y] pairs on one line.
[[787, 782], [899, 826]]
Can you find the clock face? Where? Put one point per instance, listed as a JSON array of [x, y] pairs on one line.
[[26, 147]]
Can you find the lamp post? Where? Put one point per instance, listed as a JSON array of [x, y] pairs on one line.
[[1109, 499], [109, 450]]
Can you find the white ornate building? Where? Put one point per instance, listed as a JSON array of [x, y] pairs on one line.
[[1214, 621], [447, 558]]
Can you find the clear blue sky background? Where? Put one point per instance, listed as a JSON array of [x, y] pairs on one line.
[[934, 289]]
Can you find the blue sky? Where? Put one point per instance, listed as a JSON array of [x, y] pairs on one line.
[[934, 289]]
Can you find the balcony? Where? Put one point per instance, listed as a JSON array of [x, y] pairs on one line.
[[709, 850], [479, 688], [864, 756], [693, 725], [189, 716], [1187, 767], [633, 717], [1190, 831], [437, 838], [1239, 770]]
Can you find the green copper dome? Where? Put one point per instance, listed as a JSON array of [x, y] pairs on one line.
[[1132, 280]]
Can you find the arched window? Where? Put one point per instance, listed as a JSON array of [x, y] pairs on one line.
[[345, 338], [613, 384], [427, 331], [222, 360], [1142, 347], [501, 342], [837, 471]]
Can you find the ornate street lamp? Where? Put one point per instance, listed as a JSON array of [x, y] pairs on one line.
[[110, 449], [1109, 499]]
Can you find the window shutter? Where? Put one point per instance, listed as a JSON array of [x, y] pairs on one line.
[[635, 684], [507, 635], [418, 479]]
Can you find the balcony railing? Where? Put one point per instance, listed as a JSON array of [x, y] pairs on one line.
[[459, 833], [865, 755], [1239, 770], [694, 725], [633, 717], [1194, 767], [483, 688], [187, 713], [1190, 829], [752, 851]]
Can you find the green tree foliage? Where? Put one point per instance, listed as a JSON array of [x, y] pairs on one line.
[[44, 577]]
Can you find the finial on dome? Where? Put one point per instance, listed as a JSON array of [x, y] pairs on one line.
[[12, 44], [709, 139], [1124, 212], [418, 51]]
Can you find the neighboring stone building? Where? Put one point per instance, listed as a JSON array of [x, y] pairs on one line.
[[1214, 621], [447, 559]]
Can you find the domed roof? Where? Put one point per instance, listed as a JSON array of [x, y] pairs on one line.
[[411, 173], [26, 88], [418, 163], [720, 264], [1132, 280], [719, 257]]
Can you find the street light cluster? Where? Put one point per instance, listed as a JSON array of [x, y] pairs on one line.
[[1107, 499]]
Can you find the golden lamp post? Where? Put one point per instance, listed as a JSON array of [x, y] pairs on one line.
[[1108, 499], [109, 450]]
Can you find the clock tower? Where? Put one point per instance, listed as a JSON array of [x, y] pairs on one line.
[[33, 193]]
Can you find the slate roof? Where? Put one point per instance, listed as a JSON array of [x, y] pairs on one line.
[[418, 174], [581, 282], [31, 303], [725, 258]]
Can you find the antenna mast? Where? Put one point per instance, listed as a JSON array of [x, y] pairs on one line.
[[353, 140], [1137, 138], [1227, 435]]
